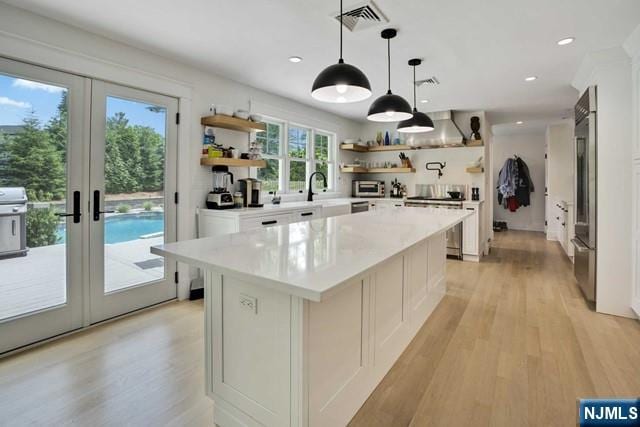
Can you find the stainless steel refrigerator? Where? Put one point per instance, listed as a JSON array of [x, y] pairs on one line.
[[585, 241]]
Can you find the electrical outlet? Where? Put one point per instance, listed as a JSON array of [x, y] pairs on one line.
[[249, 303]]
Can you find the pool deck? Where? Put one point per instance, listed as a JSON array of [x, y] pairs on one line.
[[37, 281]]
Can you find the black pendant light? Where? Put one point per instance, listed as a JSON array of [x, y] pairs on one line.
[[341, 83], [389, 107], [420, 122]]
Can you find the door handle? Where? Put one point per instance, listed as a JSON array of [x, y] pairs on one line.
[[76, 209], [13, 227], [96, 206], [580, 247]]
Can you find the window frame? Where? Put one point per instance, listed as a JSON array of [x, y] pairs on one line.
[[284, 160]]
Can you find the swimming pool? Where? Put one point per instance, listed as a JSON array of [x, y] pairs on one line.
[[126, 227]]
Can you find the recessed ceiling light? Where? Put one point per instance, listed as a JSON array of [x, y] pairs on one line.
[[424, 101], [295, 59], [530, 78], [519, 122], [566, 41]]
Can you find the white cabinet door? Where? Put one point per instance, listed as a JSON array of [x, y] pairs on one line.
[[470, 233], [335, 210]]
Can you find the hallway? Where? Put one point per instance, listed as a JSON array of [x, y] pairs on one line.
[[509, 345]]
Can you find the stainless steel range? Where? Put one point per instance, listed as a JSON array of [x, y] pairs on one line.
[[440, 196]]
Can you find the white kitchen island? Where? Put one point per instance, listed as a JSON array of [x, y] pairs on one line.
[[302, 321]]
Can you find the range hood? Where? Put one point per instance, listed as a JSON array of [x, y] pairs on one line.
[[445, 133]]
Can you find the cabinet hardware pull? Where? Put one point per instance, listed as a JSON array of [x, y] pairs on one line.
[[306, 213], [470, 209], [13, 227], [269, 222]]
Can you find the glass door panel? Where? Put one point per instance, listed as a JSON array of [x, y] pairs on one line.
[[134, 146], [134, 192], [41, 153]]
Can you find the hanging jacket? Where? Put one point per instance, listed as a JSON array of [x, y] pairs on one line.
[[507, 180], [524, 186]]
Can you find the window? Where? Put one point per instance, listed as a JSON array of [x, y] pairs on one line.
[[270, 143], [293, 152]]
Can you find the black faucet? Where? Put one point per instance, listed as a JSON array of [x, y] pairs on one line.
[[311, 193]]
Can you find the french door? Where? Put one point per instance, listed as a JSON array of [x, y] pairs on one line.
[[97, 162], [133, 182]]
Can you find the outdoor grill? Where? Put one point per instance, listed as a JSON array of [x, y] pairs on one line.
[[13, 222]]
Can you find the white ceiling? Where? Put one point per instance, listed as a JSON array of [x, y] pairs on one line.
[[480, 51]]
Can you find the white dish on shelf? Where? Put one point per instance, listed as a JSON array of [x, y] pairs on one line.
[[255, 118], [242, 114], [224, 110]]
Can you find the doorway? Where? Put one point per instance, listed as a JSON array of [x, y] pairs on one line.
[[97, 162]]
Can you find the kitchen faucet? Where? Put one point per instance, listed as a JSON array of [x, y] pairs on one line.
[[311, 193]]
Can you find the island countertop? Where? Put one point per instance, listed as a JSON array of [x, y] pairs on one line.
[[314, 259]]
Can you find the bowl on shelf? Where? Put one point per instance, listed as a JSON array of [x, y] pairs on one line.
[[224, 110], [255, 118], [242, 114]]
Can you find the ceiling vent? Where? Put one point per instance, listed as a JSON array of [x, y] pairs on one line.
[[431, 81], [362, 16]]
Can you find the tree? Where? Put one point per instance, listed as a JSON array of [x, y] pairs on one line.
[[42, 223], [57, 128], [33, 161]]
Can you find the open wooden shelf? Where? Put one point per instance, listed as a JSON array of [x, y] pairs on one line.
[[233, 123], [376, 170], [475, 170], [236, 163], [362, 149], [402, 147]]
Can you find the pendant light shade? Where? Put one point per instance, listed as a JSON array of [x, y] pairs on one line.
[[341, 83], [420, 122], [389, 107]]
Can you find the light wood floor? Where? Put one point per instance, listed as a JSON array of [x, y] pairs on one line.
[[512, 343]]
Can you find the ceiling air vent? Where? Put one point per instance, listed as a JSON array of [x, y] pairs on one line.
[[362, 16], [431, 81]]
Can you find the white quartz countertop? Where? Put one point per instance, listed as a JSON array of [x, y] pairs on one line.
[[315, 258], [271, 209]]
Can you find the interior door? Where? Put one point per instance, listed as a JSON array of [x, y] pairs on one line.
[[133, 183], [43, 148]]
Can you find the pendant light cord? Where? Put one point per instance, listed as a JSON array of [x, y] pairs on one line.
[[414, 87], [341, 60], [388, 63]]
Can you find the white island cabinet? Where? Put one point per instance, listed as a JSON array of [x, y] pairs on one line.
[[303, 320]]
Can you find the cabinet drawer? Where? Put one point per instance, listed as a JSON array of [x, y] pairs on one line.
[[263, 221], [306, 215]]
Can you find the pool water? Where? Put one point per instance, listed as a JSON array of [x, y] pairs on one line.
[[126, 227]]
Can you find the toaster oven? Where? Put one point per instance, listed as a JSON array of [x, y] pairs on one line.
[[367, 188]]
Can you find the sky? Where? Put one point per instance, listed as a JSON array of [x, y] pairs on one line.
[[19, 98]]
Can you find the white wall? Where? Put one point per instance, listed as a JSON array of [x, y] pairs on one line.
[[529, 147], [560, 149], [632, 46], [32, 38], [610, 70]]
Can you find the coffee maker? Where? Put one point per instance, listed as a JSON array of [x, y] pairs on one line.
[[250, 189], [220, 197]]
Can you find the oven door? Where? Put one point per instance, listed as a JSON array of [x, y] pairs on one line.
[[367, 188]]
